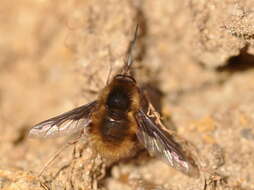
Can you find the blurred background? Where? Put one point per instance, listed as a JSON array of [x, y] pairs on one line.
[[199, 55]]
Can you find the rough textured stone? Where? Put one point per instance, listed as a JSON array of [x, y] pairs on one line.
[[199, 55]]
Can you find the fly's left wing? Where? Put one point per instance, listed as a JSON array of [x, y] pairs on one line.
[[160, 142], [65, 124]]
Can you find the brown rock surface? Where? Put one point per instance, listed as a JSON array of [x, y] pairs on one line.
[[200, 55]]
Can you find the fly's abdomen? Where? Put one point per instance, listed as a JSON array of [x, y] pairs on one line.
[[114, 127], [113, 135]]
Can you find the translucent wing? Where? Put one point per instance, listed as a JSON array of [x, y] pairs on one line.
[[64, 124], [159, 142]]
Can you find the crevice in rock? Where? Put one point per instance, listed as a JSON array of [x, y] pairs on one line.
[[240, 63]]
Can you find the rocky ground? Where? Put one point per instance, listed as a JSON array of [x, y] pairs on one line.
[[199, 55]]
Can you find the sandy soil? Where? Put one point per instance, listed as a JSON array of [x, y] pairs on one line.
[[198, 54]]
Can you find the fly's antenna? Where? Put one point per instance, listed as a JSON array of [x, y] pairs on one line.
[[129, 60]]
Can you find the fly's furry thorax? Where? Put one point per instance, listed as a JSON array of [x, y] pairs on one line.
[[125, 85]]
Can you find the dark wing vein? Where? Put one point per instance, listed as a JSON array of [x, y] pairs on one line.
[[160, 143], [66, 123]]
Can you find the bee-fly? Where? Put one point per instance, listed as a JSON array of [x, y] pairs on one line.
[[120, 120]]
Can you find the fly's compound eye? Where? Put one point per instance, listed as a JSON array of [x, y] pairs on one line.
[[126, 78]]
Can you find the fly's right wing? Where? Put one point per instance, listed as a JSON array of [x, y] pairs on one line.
[[65, 124], [161, 143]]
